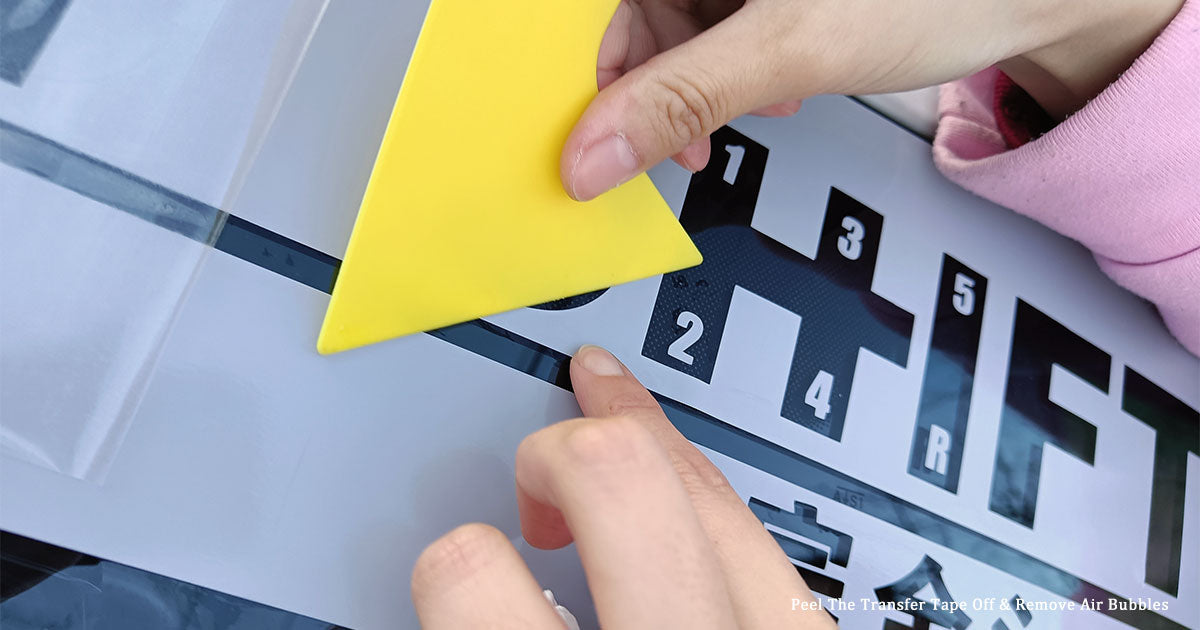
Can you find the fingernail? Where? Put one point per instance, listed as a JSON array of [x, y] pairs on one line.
[[598, 361], [603, 166]]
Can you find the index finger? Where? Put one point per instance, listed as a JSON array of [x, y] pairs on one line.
[[647, 560], [762, 583]]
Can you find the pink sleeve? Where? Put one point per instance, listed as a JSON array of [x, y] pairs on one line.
[[1122, 175]]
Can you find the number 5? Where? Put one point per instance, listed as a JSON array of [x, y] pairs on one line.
[[964, 295]]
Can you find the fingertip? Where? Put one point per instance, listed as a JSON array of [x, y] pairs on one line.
[[597, 361], [695, 157], [602, 166], [595, 376], [606, 390], [596, 156], [542, 525]]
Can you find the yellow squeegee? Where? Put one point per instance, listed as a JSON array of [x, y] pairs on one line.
[[465, 215]]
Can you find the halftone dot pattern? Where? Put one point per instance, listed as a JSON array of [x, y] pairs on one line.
[[831, 294]]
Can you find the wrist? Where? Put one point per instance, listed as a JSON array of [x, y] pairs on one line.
[[1063, 75]]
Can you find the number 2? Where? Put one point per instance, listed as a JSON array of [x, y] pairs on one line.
[[693, 329], [735, 162], [850, 245], [964, 295], [818, 394]]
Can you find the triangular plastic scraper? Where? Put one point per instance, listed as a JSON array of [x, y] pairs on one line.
[[465, 215]]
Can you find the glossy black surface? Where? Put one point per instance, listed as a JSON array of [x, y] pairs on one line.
[[832, 294], [949, 380], [1030, 419], [44, 586], [1176, 433]]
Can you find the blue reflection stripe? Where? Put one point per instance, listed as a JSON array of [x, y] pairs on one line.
[[273, 252], [107, 184], [551, 366], [120, 189], [25, 27]]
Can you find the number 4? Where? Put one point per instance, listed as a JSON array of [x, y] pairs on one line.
[[818, 394]]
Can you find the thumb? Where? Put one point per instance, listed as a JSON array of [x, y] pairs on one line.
[[670, 102]]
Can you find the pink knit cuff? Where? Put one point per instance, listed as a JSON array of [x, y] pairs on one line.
[[1122, 175]]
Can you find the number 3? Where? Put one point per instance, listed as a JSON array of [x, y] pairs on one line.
[[693, 329], [850, 245]]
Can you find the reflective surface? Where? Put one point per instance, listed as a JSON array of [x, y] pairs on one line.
[[45, 586], [255, 467], [153, 109]]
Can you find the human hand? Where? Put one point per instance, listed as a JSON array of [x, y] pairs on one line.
[[673, 71], [665, 541]]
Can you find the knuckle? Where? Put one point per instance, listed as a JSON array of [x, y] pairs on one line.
[[619, 441], [633, 404], [456, 556], [699, 472], [688, 107]]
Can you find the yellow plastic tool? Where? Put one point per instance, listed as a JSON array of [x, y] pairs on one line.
[[465, 215]]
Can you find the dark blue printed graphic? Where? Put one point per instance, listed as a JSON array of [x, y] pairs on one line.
[[832, 294], [45, 586], [1030, 420], [941, 428], [550, 366], [1023, 615], [107, 184], [1016, 607], [903, 591], [803, 522], [25, 26], [1176, 433], [278, 253]]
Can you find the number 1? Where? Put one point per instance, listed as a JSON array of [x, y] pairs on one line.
[[735, 162]]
